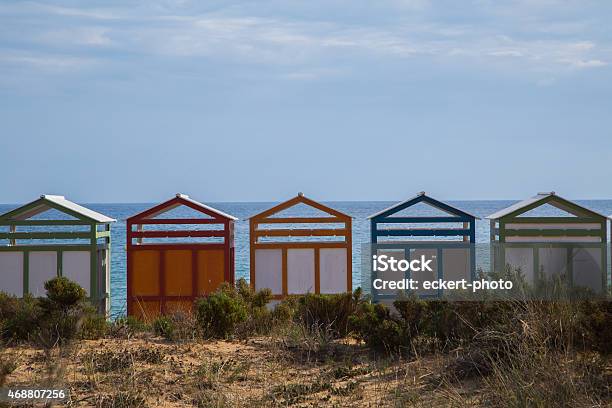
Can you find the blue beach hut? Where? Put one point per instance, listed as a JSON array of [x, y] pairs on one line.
[[447, 237]]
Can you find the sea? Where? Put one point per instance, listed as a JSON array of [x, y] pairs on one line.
[[359, 210]]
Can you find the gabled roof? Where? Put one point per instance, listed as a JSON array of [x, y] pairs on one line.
[[299, 198], [47, 202], [541, 199], [422, 197], [177, 201]]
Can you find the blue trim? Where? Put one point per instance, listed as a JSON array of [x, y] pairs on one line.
[[421, 232]]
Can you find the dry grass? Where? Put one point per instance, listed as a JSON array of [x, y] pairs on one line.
[[530, 360], [262, 372]]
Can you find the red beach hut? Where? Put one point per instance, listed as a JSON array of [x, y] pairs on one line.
[[167, 268]]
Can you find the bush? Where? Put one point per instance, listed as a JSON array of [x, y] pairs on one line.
[[19, 317], [329, 311], [127, 326], [62, 311], [219, 313], [58, 318], [380, 330], [63, 294], [94, 326], [164, 326]]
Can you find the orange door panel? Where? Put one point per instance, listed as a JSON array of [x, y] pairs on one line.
[[178, 273], [145, 273], [211, 270], [146, 311], [174, 306]]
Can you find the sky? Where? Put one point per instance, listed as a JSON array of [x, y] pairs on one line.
[[133, 101]]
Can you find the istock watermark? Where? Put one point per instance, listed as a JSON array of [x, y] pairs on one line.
[[441, 284], [458, 270], [384, 263]]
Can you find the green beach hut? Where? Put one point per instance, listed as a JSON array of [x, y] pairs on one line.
[[52, 237], [566, 240]]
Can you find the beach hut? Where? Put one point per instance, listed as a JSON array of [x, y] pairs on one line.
[[296, 253], [441, 232], [567, 239], [172, 259], [52, 237]]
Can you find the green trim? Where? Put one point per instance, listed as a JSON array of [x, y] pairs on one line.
[[60, 262], [551, 233], [26, 272], [579, 211], [42, 222], [52, 247], [501, 232], [50, 204], [93, 270], [570, 254], [552, 220], [45, 235], [102, 234]]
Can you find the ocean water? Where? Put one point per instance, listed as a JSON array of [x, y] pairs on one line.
[[359, 210]]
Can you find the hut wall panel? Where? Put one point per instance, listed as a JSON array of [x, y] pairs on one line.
[[300, 271], [268, 269], [422, 276], [145, 273], [456, 264], [211, 269], [521, 258], [178, 273], [146, 310], [183, 306], [587, 267], [586, 263], [11, 272], [332, 270], [76, 266], [391, 275], [43, 267], [552, 261]]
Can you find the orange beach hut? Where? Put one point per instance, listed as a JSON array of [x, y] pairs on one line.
[[296, 254]]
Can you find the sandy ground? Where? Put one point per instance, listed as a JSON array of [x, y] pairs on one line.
[[258, 373]]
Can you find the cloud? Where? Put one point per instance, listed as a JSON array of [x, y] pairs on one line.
[[47, 62], [179, 30], [87, 36], [590, 64]]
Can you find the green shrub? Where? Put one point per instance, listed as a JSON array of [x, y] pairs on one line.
[[19, 317], [164, 326], [62, 294], [329, 311], [94, 326], [252, 298], [381, 330], [62, 312], [219, 313], [127, 326]]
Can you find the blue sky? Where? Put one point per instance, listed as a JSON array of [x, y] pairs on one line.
[[123, 101]]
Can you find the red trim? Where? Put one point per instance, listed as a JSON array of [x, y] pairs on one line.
[[177, 234], [141, 217], [178, 221], [162, 279], [166, 247]]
